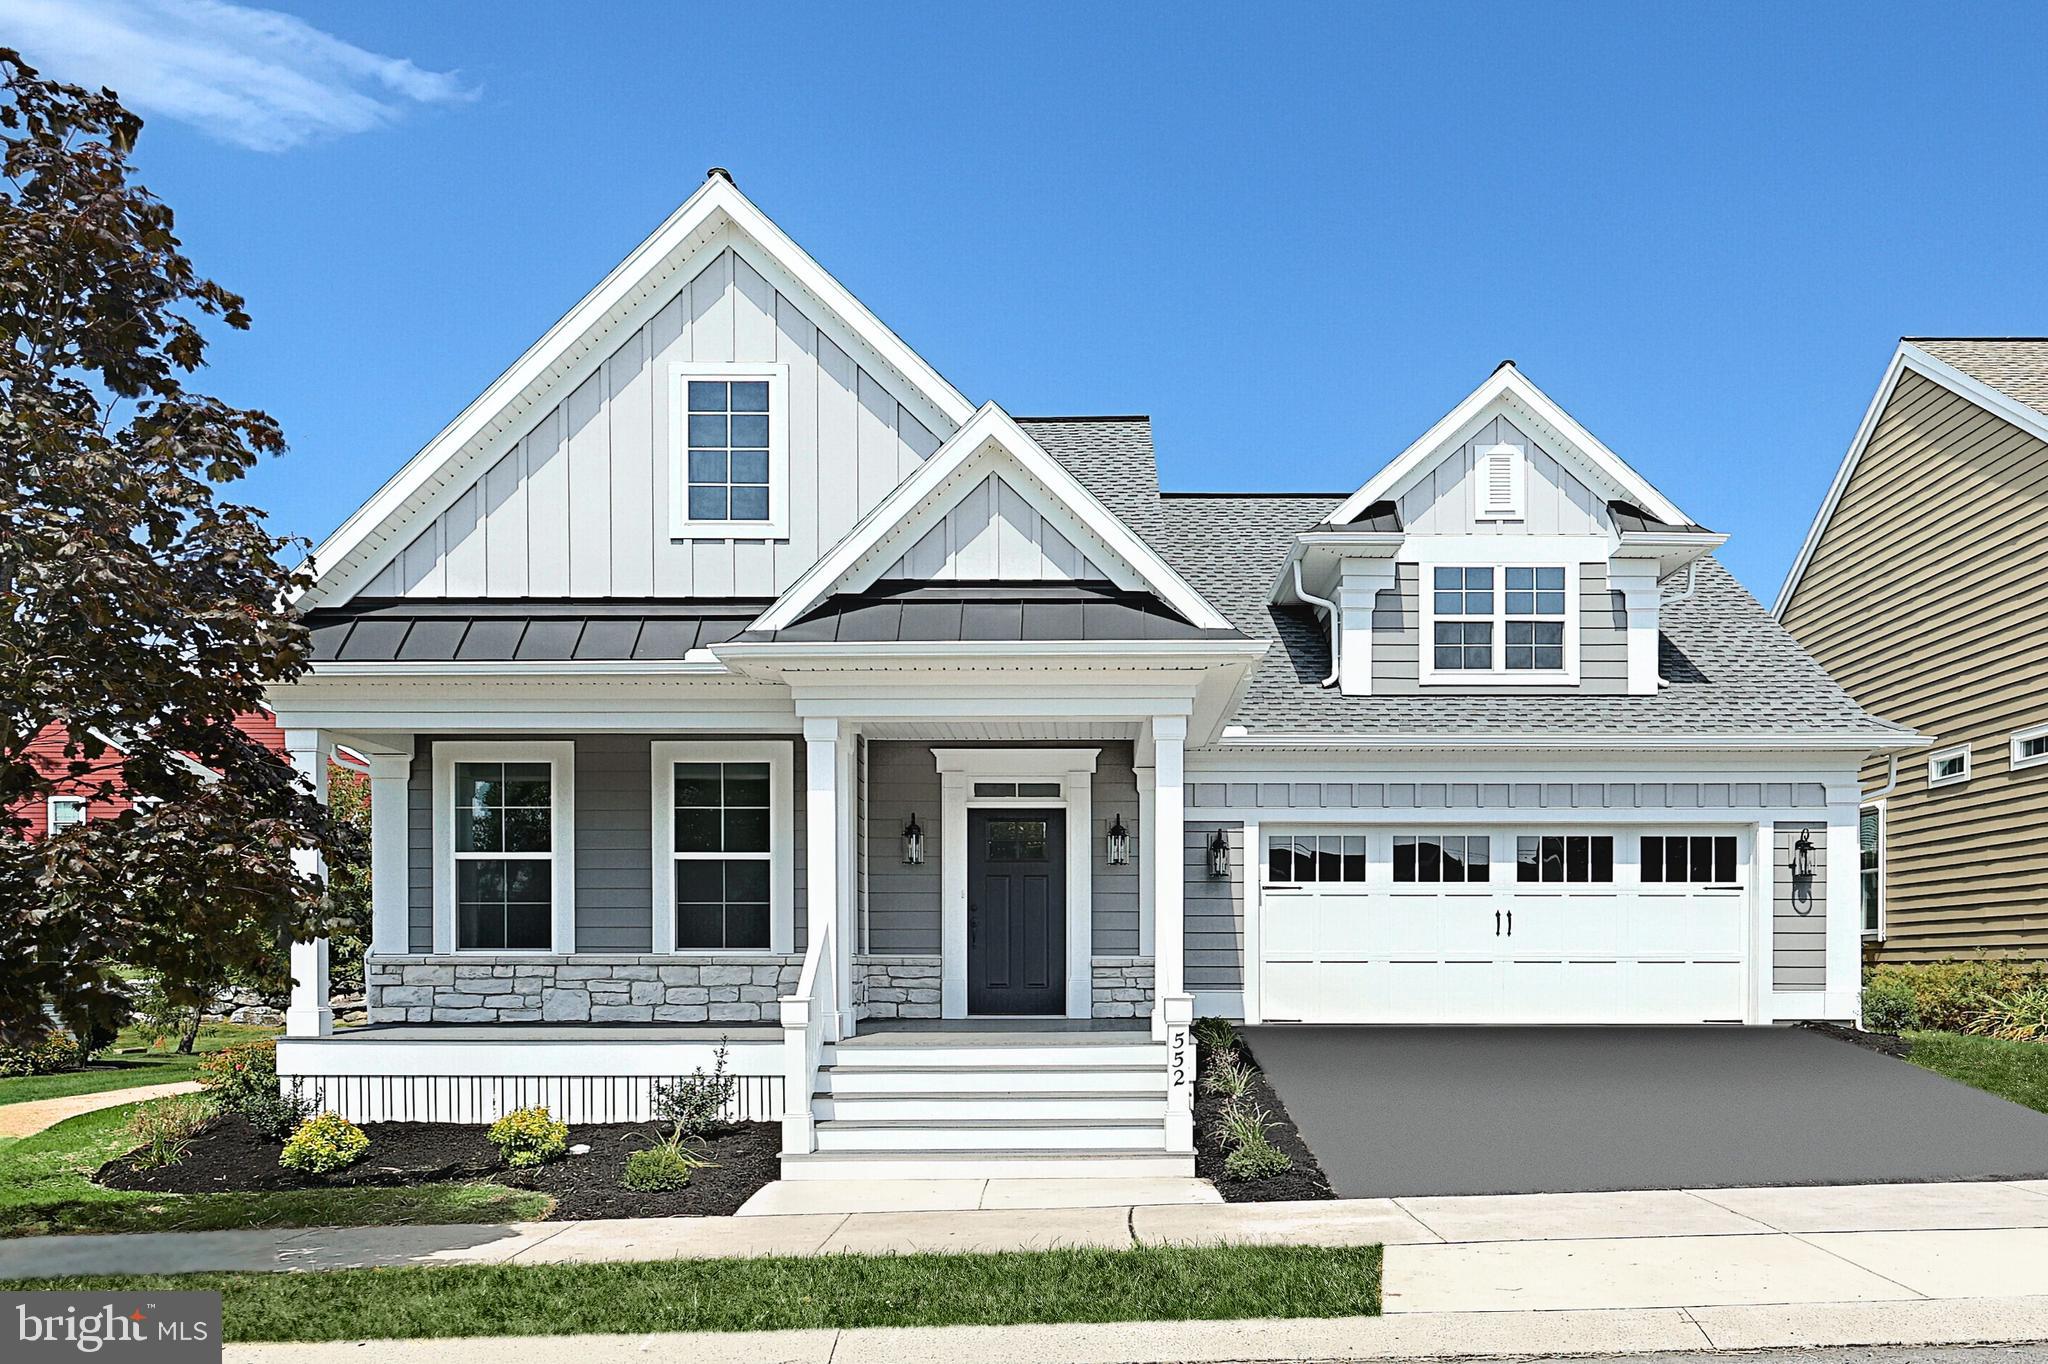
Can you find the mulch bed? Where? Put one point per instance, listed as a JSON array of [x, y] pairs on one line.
[[1887, 1043], [228, 1156], [1304, 1181]]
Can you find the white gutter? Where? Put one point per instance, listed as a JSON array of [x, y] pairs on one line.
[[1336, 631]]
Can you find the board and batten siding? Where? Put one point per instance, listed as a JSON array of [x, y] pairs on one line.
[[580, 506], [614, 842], [1924, 597], [1397, 638], [1440, 501], [994, 532], [903, 902], [1212, 943], [1799, 910]]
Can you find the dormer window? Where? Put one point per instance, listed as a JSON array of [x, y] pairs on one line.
[[729, 462], [1511, 622]]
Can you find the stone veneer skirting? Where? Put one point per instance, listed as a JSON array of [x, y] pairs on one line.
[[897, 986], [477, 988], [1122, 987]]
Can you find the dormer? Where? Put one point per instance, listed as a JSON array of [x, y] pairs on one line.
[[1507, 551]]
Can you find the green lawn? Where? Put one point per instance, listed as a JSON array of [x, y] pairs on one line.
[[1147, 1283], [2014, 1070], [128, 1063], [46, 1188]]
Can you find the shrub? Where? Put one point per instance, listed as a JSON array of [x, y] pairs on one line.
[[1215, 1033], [1890, 1004], [276, 1113], [529, 1136], [696, 1107], [1241, 1124], [324, 1144], [240, 1076], [1950, 995], [58, 1051], [663, 1167], [2018, 1017], [164, 1129], [1230, 1078], [1259, 1159]]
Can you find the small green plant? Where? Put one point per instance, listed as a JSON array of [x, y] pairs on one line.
[[58, 1051], [165, 1128], [1890, 1004], [239, 1076], [529, 1136], [663, 1167], [2018, 1017], [1241, 1123], [323, 1144], [696, 1106], [1215, 1034], [1259, 1159], [1232, 1079], [1949, 996]]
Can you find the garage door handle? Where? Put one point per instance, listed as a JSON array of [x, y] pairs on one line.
[[1496, 923], [1511, 923]]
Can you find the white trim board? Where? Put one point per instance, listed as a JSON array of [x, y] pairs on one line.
[[1509, 384], [1907, 357], [911, 507]]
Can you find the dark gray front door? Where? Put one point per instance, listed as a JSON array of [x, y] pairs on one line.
[[1016, 911]]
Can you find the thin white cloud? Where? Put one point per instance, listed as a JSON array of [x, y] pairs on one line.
[[253, 77]]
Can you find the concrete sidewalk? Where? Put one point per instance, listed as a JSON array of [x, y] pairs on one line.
[[26, 1119]]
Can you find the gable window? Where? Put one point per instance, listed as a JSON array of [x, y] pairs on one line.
[[65, 812], [2030, 747], [725, 842], [1949, 766], [729, 463], [1689, 859], [1870, 869], [1442, 858], [1302, 859], [504, 855], [1564, 858], [1512, 621]]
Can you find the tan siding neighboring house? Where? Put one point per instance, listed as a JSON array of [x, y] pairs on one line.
[[1924, 592]]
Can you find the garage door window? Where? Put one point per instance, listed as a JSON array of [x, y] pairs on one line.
[[1564, 859], [1695, 859], [1441, 858], [1305, 859]]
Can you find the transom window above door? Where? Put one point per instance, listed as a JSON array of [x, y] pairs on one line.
[[504, 855], [1511, 621]]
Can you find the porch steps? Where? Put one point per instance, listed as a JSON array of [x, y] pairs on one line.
[[991, 1105]]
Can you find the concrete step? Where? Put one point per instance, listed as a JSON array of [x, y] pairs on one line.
[[1074, 1164], [948, 1055], [935, 1136], [866, 1080], [1093, 1105]]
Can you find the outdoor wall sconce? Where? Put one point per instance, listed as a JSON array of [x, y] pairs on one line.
[[1802, 854], [1119, 842], [913, 843], [1219, 855]]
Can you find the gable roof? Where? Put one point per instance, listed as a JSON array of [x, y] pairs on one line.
[[1508, 384], [570, 350], [987, 613], [2006, 376], [990, 432], [1733, 675]]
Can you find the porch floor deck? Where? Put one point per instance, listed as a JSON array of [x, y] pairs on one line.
[[896, 1032]]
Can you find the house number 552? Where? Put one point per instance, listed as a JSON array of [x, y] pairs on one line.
[[1179, 1044]]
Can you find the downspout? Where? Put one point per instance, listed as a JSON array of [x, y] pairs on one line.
[[1336, 634], [1891, 782]]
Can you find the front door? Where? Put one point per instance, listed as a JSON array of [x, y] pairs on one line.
[[1016, 912]]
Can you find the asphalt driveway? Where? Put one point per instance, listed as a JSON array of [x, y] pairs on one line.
[[1419, 1111]]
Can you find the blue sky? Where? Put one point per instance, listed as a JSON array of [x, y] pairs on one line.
[[1294, 235]]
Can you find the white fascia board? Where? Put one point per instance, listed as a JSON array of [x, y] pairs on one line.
[[1331, 544], [1134, 656], [988, 425], [1907, 357], [1507, 381], [716, 205]]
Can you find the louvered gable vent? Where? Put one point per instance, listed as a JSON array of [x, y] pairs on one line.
[[1501, 482]]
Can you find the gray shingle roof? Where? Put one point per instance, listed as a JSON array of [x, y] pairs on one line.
[[1110, 457], [1732, 669], [2016, 366]]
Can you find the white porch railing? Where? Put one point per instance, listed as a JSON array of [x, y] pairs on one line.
[[810, 1019]]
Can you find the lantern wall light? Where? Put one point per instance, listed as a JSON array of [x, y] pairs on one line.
[[913, 842], [1119, 846], [1219, 855]]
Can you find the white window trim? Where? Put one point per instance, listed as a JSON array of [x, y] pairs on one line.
[[50, 811], [780, 757], [1876, 933], [2019, 760], [680, 526], [1940, 755], [1499, 675], [560, 756]]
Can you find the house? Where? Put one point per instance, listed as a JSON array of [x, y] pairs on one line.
[[1918, 588], [723, 672], [92, 788]]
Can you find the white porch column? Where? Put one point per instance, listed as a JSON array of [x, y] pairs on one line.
[[390, 878], [1169, 735], [1141, 838], [309, 1014], [848, 936], [823, 819]]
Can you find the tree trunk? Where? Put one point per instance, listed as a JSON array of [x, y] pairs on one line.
[[188, 1036]]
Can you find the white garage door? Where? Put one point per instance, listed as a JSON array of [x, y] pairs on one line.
[[1505, 926]]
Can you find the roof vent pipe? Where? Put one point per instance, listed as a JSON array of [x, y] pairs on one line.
[[1336, 635]]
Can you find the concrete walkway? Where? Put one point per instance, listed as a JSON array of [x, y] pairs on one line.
[[26, 1119], [795, 1196]]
